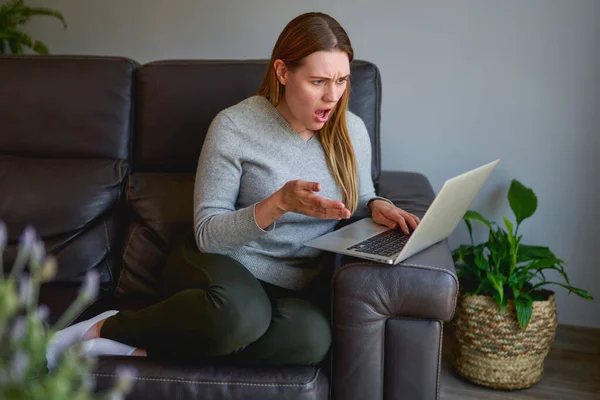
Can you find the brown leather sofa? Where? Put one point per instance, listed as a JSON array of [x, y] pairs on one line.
[[99, 155]]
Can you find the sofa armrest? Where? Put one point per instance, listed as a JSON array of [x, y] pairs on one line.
[[387, 319]]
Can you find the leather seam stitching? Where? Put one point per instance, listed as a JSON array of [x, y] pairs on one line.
[[128, 188], [120, 176], [125, 255], [106, 234], [219, 382], [108, 255], [418, 266], [437, 394]]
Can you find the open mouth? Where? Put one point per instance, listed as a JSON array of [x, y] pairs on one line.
[[323, 114]]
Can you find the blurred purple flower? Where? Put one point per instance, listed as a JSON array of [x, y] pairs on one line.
[[18, 330], [49, 269], [115, 395], [125, 376], [42, 312], [91, 285], [19, 366], [28, 238], [25, 288], [3, 235], [88, 382], [38, 252]]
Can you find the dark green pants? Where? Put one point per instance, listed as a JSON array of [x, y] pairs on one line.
[[215, 309]]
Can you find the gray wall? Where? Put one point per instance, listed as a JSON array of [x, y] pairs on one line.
[[465, 82]]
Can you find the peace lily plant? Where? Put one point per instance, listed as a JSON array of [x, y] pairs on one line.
[[506, 269]]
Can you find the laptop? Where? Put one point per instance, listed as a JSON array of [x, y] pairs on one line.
[[369, 240]]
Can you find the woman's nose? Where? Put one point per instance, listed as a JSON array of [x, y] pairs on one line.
[[332, 93]]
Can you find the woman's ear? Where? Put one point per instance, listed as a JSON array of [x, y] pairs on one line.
[[281, 71]]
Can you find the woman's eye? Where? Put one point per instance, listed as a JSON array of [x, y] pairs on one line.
[[318, 82], [341, 81]]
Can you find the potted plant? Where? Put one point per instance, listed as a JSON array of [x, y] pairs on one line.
[[505, 320], [15, 13], [25, 333]]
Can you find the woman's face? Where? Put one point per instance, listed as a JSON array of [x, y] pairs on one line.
[[313, 89]]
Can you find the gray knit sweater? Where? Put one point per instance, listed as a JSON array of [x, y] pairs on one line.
[[249, 153]]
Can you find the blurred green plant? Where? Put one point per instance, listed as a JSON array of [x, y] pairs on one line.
[[25, 332], [16, 13], [504, 268]]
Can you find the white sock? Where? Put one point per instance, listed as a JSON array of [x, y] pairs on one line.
[[106, 347], [69, 336]]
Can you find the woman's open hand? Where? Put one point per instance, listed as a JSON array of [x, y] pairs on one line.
[[300, 197]]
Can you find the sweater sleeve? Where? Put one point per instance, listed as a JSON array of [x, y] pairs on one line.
[[362, 151], [218, 226]]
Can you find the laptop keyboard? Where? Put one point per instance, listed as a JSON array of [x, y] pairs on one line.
[[385, 244]]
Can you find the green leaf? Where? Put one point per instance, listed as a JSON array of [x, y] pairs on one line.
[[39, 11], [523, 201], [470, 229], [529, 297], [497, 282], [527, 253], [481, 262], [471, 215], [15, 46], [40, 47], [16, 40], [545, 264], [579, 292], [510, 235], [509, 228], [524, 308], [485, 287], [499, 300], [465, 254], [516, 292]]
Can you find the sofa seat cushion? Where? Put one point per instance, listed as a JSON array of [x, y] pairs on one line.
[[158, 379], [162, 380]]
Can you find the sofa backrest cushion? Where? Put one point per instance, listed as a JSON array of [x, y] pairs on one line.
[[177, 100], [64, 154]]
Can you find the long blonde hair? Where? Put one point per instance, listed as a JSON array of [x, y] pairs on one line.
[[301, 37]]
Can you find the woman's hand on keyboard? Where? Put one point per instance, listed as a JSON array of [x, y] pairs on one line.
[[391, 216]]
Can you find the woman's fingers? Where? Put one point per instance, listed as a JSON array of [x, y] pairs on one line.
[[321, 207], [399, 218]]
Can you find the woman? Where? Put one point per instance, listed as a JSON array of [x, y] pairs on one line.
[[276, 170]]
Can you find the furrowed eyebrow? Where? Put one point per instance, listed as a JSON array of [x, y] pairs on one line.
[[328, 79]]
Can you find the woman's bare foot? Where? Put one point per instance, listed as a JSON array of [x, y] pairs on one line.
[[140, 353], [94, 333], [106, 347]]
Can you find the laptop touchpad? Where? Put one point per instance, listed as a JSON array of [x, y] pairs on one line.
[[354, 233]]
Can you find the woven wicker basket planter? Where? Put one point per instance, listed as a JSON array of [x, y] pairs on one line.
[[490, 349]]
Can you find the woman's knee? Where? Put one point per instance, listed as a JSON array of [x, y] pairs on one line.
[[309, 331], [244, 315]]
